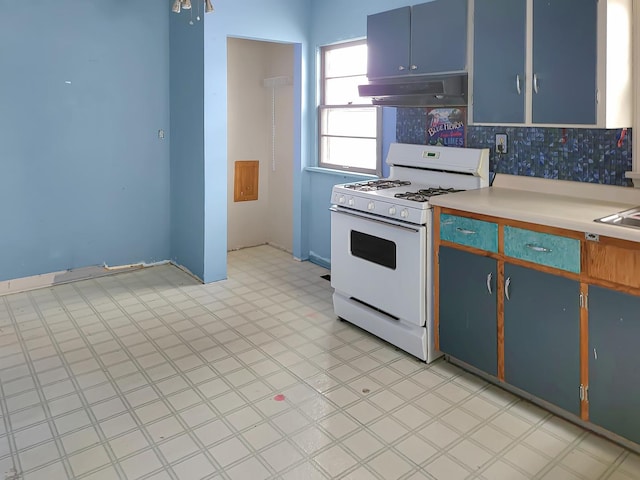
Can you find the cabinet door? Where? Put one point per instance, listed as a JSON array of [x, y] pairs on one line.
[[388, 37], [542, 335], [614, 358], [564, 61], [439, 36], [467, 299], [499, 61]]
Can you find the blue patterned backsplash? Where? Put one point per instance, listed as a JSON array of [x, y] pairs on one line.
[[578, 154]]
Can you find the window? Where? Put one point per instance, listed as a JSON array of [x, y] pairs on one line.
[[349, 126]]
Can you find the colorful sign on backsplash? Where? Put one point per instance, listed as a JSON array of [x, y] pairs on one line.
[[446, 126], [577, 154]]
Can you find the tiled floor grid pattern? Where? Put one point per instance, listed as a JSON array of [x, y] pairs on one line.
[[150, 375]]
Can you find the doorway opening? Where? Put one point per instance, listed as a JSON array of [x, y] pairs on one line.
[[260, 118]]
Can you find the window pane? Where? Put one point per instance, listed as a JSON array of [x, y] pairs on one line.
[[349, 122], [344, 91], [357, 153], [344, 61], [349, 126]]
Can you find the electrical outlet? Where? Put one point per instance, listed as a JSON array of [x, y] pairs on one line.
[[501, 143]]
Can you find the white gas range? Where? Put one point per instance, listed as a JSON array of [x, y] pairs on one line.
[[381, 242]]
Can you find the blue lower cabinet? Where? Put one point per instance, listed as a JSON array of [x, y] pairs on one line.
[[542, 335], [468, 326], [614, 362]]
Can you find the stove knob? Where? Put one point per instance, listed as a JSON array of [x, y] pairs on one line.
[[404, 213], [341, 199], [352, 202], [392, 211], [371, 206]]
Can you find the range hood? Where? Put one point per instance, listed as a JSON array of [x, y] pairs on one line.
[[418, 91]]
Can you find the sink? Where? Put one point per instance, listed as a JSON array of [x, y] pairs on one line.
[[627, 218]]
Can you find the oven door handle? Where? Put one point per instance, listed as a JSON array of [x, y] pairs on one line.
[[335, 209]]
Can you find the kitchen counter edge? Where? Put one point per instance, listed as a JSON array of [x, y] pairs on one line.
[[551, 209]]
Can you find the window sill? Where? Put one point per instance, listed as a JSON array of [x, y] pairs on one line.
[[635, 178], [342, 173]]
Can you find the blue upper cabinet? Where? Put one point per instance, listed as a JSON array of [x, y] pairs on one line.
[[423, 39], [388, 43], [439, 37], [552, 62], [499, 50], [564, 61]]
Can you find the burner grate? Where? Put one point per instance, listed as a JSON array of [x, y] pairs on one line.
[[376, 185], [424, 194]]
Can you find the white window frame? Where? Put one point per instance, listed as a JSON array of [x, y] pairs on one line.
[[322, 108]]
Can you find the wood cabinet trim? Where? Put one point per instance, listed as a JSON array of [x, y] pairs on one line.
[[544, 229], [613, 262], [584, 350], [476, 216], [477, 251], [542, 268], [500, 318], [518, 223], [629, 282], [612, 285], [617, 242]]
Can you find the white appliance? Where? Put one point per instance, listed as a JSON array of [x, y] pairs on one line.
[[382, 245]]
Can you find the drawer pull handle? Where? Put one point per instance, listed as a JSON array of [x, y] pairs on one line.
[[507, 284], [447, 222], [518, 84], [537, 248], [464, 231], [489, 277]]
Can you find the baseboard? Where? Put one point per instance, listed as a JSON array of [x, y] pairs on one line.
[[44, 280], [318, 260], [187, 271]]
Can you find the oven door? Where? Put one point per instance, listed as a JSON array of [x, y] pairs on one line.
[[380, 263]]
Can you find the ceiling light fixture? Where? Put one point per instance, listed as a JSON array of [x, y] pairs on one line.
[[179, 5]]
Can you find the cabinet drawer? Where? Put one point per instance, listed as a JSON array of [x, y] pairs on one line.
[[543, 248], [469, 232]]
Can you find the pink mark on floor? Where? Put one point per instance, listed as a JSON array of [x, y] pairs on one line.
[[279, 397]]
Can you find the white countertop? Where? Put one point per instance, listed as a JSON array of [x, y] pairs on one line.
[[556, 203]]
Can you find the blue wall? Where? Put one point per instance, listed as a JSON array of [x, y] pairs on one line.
[[84, 179], [333, 21], [187, 142]]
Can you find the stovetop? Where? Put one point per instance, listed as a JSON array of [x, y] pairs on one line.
[[398, 192], [416, 173], [402, 200], [374, 185], [424, 194]]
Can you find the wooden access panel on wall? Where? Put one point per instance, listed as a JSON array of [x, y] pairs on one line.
[[245, 182]]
